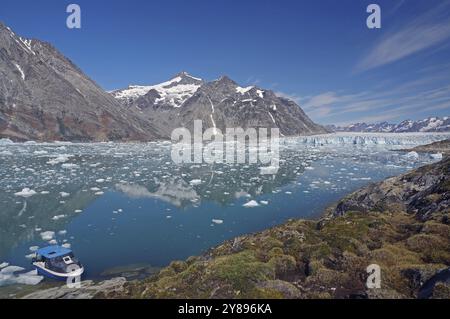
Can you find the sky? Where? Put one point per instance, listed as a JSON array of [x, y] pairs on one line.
[[320, 53]]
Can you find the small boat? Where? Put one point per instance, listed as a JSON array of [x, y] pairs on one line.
[[57, 262]]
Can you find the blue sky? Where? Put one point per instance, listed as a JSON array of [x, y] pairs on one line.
[[318, 52]]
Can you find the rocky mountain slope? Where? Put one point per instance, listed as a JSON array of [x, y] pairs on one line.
[[219, 104], [432, 124], [44, 96]]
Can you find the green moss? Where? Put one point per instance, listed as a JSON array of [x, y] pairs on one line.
[[394, 255], [266, 293], [431, 247], [432, 227], [167, 272], [283, 264], [277, 251], [240, 270], [178, 266]]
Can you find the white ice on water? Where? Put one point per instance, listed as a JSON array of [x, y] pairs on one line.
[[10, 275], [251, 204], [25, 193], [47, 235]]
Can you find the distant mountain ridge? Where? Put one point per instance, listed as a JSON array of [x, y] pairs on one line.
[[431, 124], [45, 97], [219, 104]]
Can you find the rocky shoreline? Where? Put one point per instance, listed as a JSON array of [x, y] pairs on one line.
[[401, 224]]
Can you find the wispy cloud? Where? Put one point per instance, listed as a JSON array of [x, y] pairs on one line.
[[393, 103], [425, 31], [294, 97]]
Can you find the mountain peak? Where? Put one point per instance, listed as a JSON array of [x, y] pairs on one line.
[[185, 75], [224, 79]]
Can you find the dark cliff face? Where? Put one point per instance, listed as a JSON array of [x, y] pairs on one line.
[[218, 104], [223, 104], [44, 97], [424, 192]]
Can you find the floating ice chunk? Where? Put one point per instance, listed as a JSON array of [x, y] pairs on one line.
[[3, 265], [10, 278], [264, 202], [62, 232], [5, 141], [195, 182], [100, 180], [69, 165], [169, 217], [437, 156], [288, 193], [66, 245], [412, 155], [99, 193], [25, 193], [11, 269], [34, 248], [95, 189], [269, 170], [40, 152], [309, 168], [30, 256], [58, 217], [251, 204], [217, 221], [64, 194], [59, 159], [53, 242], [78, 211], [45, 192], [47, 235]]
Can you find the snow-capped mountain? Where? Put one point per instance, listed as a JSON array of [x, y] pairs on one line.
[[219, 104], [44, 97], [172, 93], [432, 124]]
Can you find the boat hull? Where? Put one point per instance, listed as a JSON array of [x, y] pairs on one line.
[[42, 271]]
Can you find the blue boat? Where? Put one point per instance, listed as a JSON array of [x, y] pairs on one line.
[[57, 262]]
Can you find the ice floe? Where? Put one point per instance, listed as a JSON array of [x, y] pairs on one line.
[[25, 193], [47, 235], [251, 204], [10, 276]]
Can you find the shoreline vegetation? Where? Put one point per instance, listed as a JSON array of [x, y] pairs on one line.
[[402, 224]]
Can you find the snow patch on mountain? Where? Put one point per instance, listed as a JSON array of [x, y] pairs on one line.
[[20, 70], [173, 92], [432, 124], [243, 90]]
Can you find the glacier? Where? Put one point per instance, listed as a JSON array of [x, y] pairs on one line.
[[390, 139]]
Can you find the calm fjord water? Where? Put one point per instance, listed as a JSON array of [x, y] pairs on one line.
[[122, 204]]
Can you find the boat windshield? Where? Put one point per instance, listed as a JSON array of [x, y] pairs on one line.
[[59, 264]]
